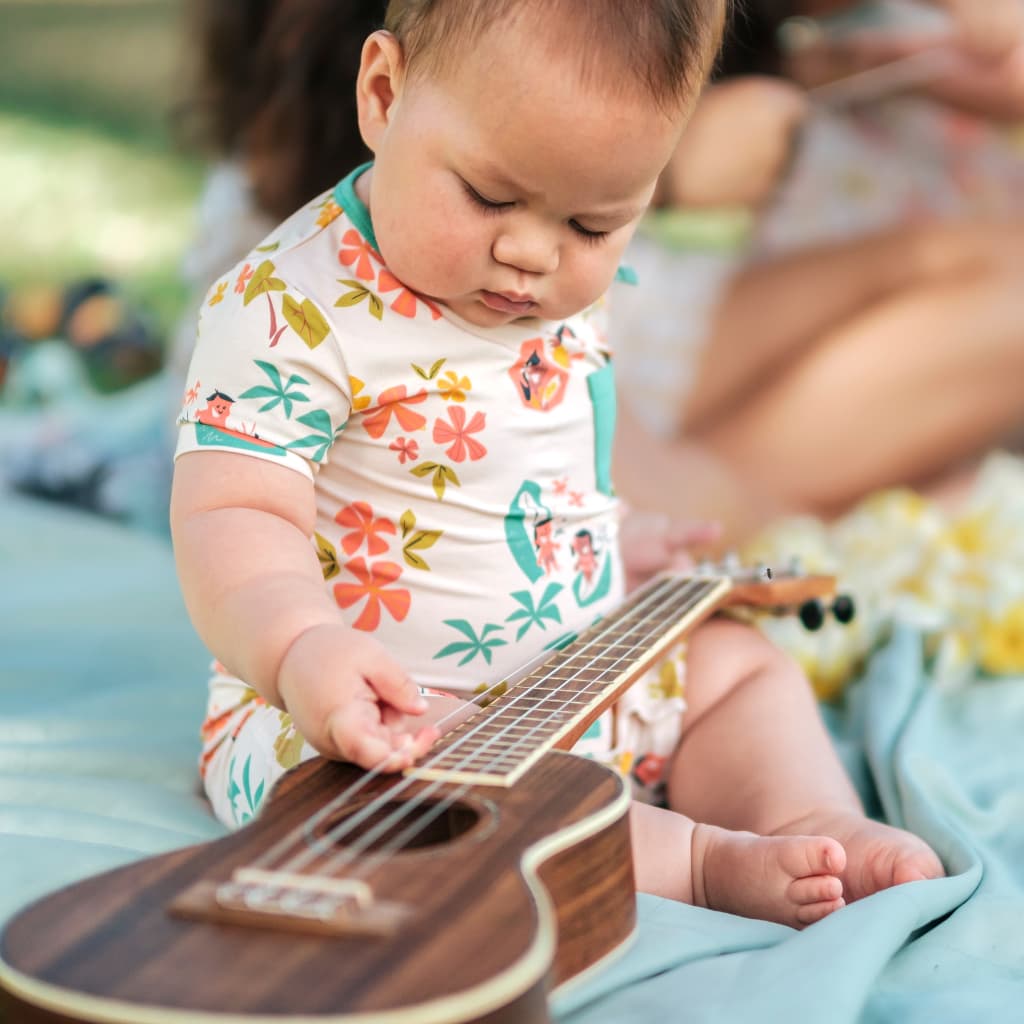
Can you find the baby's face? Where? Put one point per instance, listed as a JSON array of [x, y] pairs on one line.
[[507, 188]]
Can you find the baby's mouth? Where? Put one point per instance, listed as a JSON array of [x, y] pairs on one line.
[[506, 302]]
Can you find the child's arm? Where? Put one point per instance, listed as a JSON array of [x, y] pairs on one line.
[[253, 587], [737, 145]]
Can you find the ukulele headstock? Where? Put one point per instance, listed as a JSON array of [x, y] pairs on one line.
[[781, 591]]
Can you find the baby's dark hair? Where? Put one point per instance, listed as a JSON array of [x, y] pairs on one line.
[[276, 88], [665, 46]]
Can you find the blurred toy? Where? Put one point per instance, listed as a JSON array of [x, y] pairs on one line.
[[113, 339]]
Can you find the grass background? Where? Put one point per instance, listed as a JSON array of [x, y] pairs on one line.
[[92, 180]]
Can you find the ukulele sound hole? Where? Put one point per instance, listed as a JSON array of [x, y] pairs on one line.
[[395, 825]]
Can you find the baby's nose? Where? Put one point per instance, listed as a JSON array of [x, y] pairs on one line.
[[532, 251]]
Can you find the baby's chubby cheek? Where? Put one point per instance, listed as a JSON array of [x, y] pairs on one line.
[[430, 255]]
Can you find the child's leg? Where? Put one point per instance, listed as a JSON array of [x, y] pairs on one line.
[[947, 346], [792, 880], [755, 756], [777, 311]]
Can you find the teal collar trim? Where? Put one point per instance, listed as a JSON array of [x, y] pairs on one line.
[[355, 209]]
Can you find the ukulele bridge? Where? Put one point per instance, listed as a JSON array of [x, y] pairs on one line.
[[292, 902]]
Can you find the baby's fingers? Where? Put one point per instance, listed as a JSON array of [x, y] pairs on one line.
[[392, 685], [359, 735]]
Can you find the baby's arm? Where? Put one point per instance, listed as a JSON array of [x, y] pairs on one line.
[[253, 587]]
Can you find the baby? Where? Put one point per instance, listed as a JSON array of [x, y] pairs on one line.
[[393, 470]]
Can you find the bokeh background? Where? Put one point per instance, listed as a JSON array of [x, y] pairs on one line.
[[94, 180]]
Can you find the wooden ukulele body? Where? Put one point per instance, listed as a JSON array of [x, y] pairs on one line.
[[515, 891]]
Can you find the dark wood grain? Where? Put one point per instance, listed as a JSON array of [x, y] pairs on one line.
[[518, 887], [474, 915]]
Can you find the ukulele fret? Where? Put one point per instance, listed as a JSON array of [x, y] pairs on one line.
[[562, 697]]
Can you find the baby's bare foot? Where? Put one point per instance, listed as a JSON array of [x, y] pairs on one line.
[[877, 856], [793, 880]]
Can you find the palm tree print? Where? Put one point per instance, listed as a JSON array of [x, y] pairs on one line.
[[245, 801], [322, 437], [473, 645], [535, 615], [277, 393]]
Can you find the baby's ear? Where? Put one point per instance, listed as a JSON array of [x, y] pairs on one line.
[[378, 85]]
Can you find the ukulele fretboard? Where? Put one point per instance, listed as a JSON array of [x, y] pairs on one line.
[[561, 698]]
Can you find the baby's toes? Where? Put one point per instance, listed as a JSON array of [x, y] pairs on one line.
[[815, 889], [809, 913], [916, 865], [813, 856]]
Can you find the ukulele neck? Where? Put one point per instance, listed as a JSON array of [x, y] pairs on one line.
[[552, 706]]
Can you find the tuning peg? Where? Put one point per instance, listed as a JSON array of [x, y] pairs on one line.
[[843, 608], [812, 614]]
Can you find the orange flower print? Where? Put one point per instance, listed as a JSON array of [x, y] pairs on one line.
[[371, 586], [453, 388], [407, 302], [328, 212], [576, 499], [218, 296], [407, 448], [457, 434], [357, 253], [359, 402], [243, 278], [358, 517], [561, 485], [394, 400]]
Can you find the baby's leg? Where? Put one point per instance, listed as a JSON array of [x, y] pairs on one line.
[[792, 880], [755, 756]]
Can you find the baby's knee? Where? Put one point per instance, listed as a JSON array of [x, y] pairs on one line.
[[726, 652]]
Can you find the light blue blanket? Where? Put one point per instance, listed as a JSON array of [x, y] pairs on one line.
[[101, 691]]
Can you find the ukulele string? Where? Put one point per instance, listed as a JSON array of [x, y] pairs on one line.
[[298, 834], [302, 832], [311, 849], [396, 843]]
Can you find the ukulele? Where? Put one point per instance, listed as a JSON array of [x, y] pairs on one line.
[[459, 892]]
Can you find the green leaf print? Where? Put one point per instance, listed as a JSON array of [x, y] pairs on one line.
[[407, 521], [328, 555], [250, 800], [272, 247], [535, 615], [323, 437], [420, 540], [262, 282], [357, 294], [473, 645], [289, 743], [305, 320], [443, 475], [277, 393], [432, 372]]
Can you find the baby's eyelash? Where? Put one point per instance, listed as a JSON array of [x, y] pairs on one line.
[[590, 237], [485, 204]]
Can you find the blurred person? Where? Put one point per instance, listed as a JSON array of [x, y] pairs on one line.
[[823, 369]]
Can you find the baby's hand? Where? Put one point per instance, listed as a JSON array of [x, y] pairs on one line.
[[349, 698], [651, 543]]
